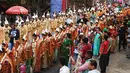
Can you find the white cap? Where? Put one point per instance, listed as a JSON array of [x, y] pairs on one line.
[[46, 30], [1, 48], [24, 37], [17, 21], [6, 21], [82, 20], [48, 14], [57, 29], [60, 13], [35, 32], [43, 31], [75, 27], [22, 20], [110, 27], [54, 15], [4, 41], [65, 26], [88, 9], [103, 16], [84, 9], [61, 26], [96, 20], [92, 9], [74, 10], [27, 20], [81, 34], [0, 20], [63, 13], [34, 15], [79, 10], [80, 23], [97, 17], [43, 15]]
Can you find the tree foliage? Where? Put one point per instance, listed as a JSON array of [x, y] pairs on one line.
[[13, 2]]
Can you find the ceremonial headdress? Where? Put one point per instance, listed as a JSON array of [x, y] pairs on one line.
[[60, 13], [54, 15], [81, 33], [6, 21], [43, 15], [24, 37], [64, 26], [79, 10], [110, 27], [1, 48], [34, 15], [46, 30], [57, 29], [103, 16], [61, 26], [35, 32], [43, 32], [48, 14], [82, 20], [63, 13], [92, 9], [96, 21], [88, 9], [80, 24], [27, 20]]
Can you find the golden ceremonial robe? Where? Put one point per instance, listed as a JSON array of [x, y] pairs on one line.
[[45, 57]]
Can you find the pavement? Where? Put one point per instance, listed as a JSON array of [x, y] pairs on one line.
[[118, 64]]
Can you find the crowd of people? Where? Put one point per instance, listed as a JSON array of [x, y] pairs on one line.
[[72, 38]]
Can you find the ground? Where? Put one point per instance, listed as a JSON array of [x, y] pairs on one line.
[[118, 64]]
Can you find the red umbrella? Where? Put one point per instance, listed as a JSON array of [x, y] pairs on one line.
[[17, 10]]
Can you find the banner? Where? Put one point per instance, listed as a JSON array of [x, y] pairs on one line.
[[64, 4], [56, 6]]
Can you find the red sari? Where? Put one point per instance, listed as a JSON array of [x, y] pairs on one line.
[[37, 66]]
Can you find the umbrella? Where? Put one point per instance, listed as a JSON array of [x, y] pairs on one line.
[[17, 10]]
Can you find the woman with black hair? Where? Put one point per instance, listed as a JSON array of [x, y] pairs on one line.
[[66, 47], [85, 47]]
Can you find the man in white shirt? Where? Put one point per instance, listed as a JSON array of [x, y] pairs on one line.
[[63, 67], [93, 67]]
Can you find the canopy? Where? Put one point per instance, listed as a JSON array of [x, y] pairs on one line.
[[17, 10]]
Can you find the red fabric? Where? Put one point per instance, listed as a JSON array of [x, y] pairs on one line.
[[85, 48], [104, 47], [64, 5], [72, 51], [113, 32], [17, 10]]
